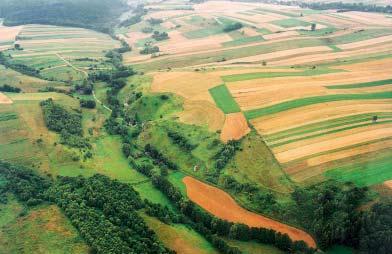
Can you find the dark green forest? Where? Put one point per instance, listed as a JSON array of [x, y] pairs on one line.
[[100, 15]]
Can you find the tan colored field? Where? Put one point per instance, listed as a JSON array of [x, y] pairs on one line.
[[367, 18], [315, 161], [235, 127], [330, 57], [178, 44], [257, 93], [318, 112], [388, 184], [333, 141], [366, 43], [9, 33], [4, 99], [279, 54], [220, 204]]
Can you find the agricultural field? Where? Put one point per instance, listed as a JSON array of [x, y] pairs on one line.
[[197, 127], [61, 53]]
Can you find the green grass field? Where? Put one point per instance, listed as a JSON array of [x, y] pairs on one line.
[[179, 237], [288, 23], [253, 247], [224, 100], [362, 85], [260, 75], [360, 35], [251, 114], [372, 172], [244, 40]]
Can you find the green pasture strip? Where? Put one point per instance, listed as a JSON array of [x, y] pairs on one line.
[[244, 40], [329, 132], [335, 48], [260, 75], [204, 32], [323, 125], [360, 36], [364, 174], [224, 100], [254, 113], [361, 85], [277, 12], [226, 21], [263, 31], [287, 23], [6, 116]]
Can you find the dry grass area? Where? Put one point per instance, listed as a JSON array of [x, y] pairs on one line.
[[4, 99], [220, 204], [235, 127]]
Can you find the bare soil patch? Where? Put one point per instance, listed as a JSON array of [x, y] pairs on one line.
[[235, 127], [9, 33], [223, 206], [4, 99]]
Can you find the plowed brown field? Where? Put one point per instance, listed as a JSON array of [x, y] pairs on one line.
[[222, 205]]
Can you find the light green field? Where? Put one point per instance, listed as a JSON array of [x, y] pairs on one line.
[[372, 172], [179, 237], [362, 85], [259, 75], [360, 36], [251, 114], [224, 100], [288, 23], [149, 192], [244, 40], [26, 83], [253, 247], [44, 229]]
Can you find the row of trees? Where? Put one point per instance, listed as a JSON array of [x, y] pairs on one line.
[[10, 89], [24, 69], [181, 141]]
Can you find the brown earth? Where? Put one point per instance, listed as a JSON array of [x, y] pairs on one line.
[[388, 184], [235, 127], [9, 33], [222, 205]]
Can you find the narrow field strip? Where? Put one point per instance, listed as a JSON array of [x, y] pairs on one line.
[[224, 100], [333, 143], [222, 205], [328, 124], [251, 114], [260, 75], [361, 85], [273, 145]]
